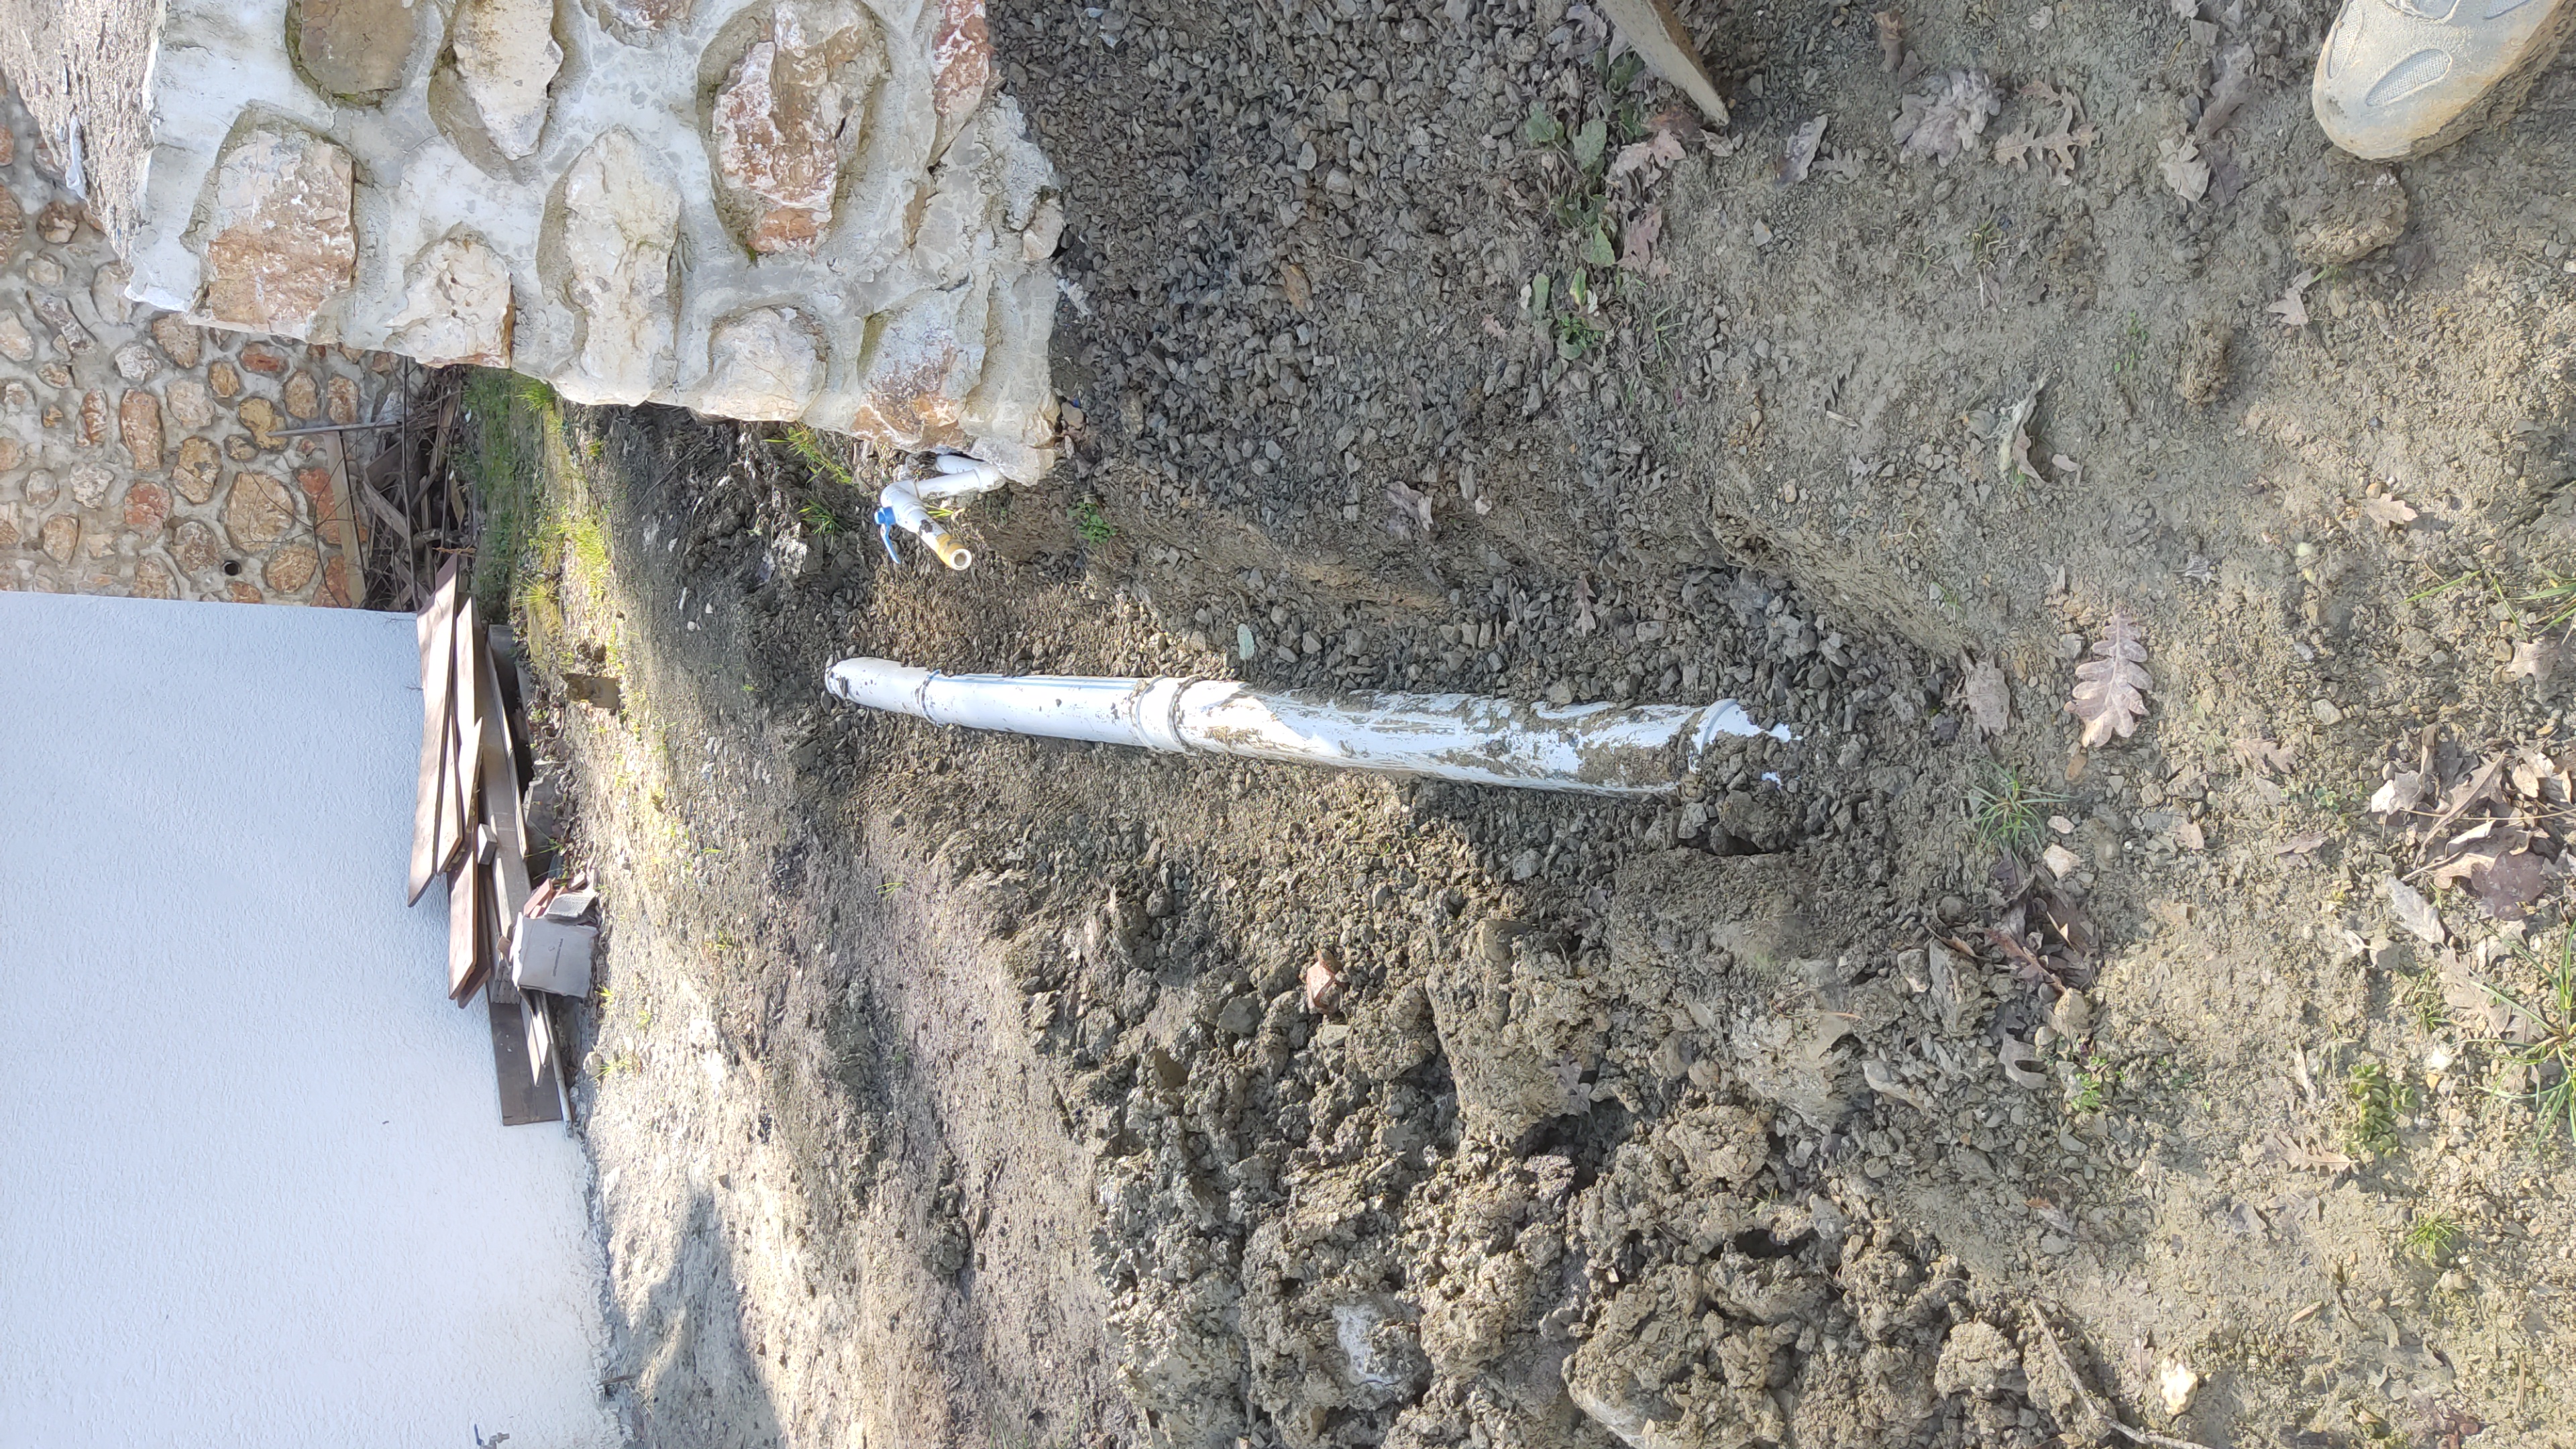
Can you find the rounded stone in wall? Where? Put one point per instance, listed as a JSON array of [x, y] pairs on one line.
[[182, 343], [352, 50], [277, 239], [59, 536], [89, 484], [197, 470], [291, 568], [13, 224], [196, 548], [147, 507], [242, 593], [188, 403], [788, 87], [152, 580], [302, 396], [8, 534], [224, 380], [259, 511], [138, 426]]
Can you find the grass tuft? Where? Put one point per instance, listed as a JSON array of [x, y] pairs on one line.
[[2007, 810], [2430, 1237], [2539, 1048]]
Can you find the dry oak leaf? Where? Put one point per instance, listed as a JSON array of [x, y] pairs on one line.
[[1800, 152], [1988, 698], [2292, 308], [1293, 285], [2415, 913], [2535, 659], [2109, 691], [2388, 510]]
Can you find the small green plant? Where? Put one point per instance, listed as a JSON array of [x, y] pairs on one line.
[[888, 888], [2373, 1101], [801, 441], [819, 518], [2543, 1063], [1985, 241], [2095, 1080], [2133, 344], [1088, 522], [2430, 1237], [2007, 810], [1611, 119], [1568, 315], [598, 449]]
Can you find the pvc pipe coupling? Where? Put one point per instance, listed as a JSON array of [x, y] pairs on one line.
[[905, 504], [1605, 749]]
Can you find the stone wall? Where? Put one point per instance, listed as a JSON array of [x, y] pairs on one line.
[[762, 209], [143, 455]]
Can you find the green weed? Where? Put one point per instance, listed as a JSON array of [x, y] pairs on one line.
[[802, 441], [2133, 344], [1088, 521], [2543, 1063], [819, 517], [2373, 1101], [2007, 810], [2095, 1080]]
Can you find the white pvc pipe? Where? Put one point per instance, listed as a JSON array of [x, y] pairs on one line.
[[1607, 749]]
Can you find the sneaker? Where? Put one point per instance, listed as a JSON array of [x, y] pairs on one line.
[[2399, 78]]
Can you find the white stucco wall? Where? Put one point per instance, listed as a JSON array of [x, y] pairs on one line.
[[254, 1190]]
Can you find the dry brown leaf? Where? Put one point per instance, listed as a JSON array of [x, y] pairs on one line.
[[1652, 155], [1637, 243], [2013, 148], [1496, 329], [1293, 286], [1891, 40], [2536, 659], [2388, 510], [1800, 152], [2228, 93], [2110, 690], [2179, 161], [2265, 757], [2415, 913], [2292, 308], [2071, 134], [1988, 698], [2012, 439]]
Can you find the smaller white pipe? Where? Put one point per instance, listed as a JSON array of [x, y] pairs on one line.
[[899, 506], [1606, 749]]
